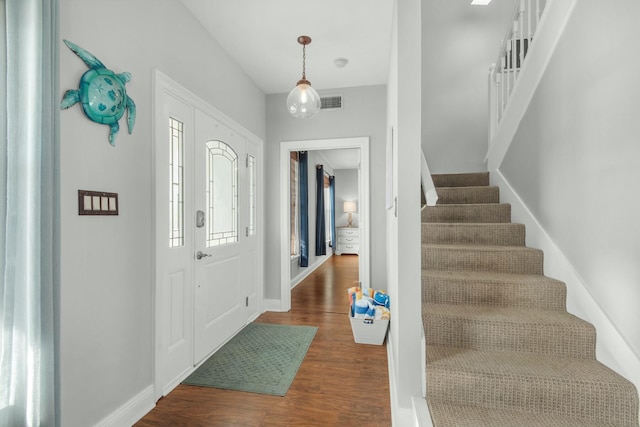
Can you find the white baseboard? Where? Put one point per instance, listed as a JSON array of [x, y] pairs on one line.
[[421, 412], [307, 271], [611, 347], [404, 417], [132, 411], [423, 348], [253, 317], [272, 305]]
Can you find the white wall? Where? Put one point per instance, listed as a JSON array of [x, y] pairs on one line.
[[106, 336], [363, 114], [574, 159], [346, 191], [459, 43], [403, 242]]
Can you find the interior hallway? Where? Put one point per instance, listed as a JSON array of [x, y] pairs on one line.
[[339, 383]]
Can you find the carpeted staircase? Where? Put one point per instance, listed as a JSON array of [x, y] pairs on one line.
[[501, 348]]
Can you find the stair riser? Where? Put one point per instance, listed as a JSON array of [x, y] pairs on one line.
[[451, 291], [573, 340], [461, 179], [470, 416], [474, 234], [526, 261], [482, 213], [461, 195], [593, 401], [503, 344]]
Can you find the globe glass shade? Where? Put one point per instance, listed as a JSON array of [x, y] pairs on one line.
[[303, 101]]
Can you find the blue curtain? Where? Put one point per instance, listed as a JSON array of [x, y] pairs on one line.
[[321, 236], [29, 189], [303, 183], [332, 201]]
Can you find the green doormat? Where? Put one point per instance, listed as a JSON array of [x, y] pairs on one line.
[[261, 358]]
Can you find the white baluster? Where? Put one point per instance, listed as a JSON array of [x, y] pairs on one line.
[[514, 51], [508, 70], [521, 29], [529, 34], [498, 106], [500, 89], [493, 101]]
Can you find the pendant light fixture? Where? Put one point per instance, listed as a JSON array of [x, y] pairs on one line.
[[303, 101]]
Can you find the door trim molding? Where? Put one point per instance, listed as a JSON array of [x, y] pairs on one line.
[[363, 195], [163, 83]]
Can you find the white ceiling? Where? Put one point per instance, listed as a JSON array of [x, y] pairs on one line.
[[261, 36]]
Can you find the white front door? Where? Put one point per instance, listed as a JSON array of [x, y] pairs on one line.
[[206, 231], [220, 241]]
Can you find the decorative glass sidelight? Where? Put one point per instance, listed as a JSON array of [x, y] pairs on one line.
[[176, 183], [251, 166], [222, 194]]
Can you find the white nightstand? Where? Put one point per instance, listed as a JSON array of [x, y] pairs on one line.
[[348, 240]]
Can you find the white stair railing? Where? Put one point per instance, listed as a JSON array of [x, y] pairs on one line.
[[428, 188], [503, 74]]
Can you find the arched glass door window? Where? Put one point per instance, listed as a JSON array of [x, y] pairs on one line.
[[222, 194]]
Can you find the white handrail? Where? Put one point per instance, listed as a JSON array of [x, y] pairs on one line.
[[503, 74], [428, 188]]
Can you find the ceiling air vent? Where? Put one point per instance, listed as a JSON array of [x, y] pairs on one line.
[[333, 102]]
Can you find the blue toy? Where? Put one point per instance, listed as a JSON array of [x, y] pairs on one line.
[[380, 298]]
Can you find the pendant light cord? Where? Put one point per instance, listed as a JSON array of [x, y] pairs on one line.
[[304, 60]]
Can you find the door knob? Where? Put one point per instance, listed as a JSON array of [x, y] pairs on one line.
[[200, 255]]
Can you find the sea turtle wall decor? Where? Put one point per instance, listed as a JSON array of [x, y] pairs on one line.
[[101, 93]]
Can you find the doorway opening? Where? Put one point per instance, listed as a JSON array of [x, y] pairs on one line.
[[361, 144]]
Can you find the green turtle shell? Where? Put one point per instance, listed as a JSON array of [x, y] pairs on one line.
[[102, 95]]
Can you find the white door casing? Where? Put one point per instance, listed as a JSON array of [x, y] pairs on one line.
[[286, 147], [200, 303]]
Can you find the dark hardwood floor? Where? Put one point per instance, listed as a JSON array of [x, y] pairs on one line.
[[339, 383]]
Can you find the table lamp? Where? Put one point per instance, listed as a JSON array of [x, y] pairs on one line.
[[350, 208]]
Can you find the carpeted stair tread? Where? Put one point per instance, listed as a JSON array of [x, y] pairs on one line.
[[508, 329], [502, 350], [577, 388], [499, 234], [475, 213], [459, 195], [474, 179], [528, 366], [472, 416], [495, 289], [482, 258]]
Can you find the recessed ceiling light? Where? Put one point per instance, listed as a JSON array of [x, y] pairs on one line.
[[341, 62], [480, 2]]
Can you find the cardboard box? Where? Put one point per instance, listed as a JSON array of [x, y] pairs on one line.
[[369, 331]]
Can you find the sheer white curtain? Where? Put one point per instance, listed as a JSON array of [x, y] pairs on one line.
[[28, 190]]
